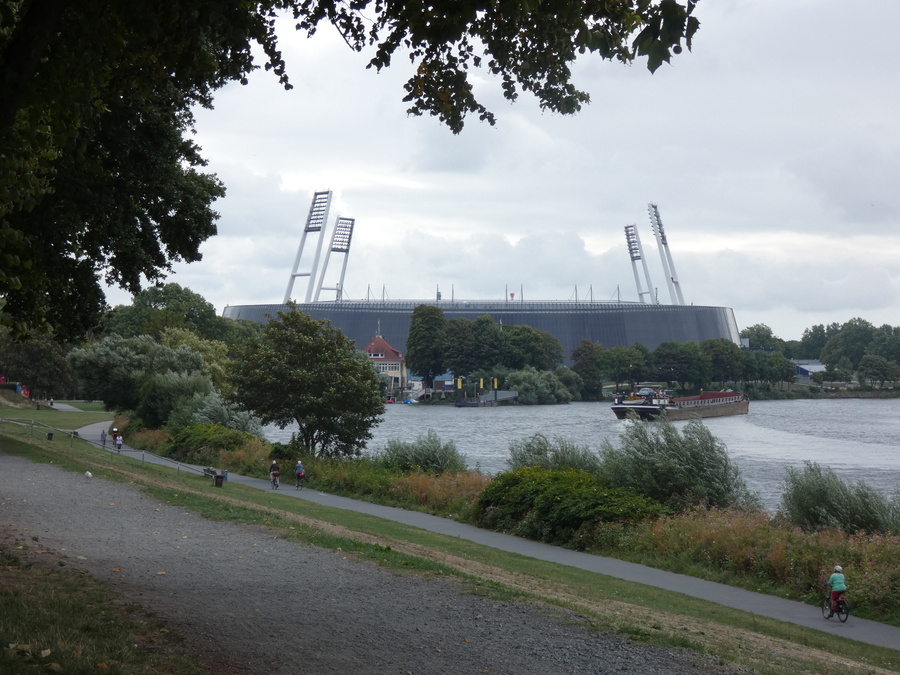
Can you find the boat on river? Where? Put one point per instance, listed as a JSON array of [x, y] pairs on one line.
[[649, 403]]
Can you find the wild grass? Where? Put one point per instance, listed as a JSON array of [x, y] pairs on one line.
[[761, 552], [427, 454], [815, 498], [679, 469], [557, 455], [450, 493]]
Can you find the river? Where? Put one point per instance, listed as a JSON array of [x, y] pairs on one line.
[[858, 438]]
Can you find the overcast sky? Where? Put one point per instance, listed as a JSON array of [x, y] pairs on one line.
[[771, 151]]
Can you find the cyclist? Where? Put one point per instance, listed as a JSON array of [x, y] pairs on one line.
[[838, 587], [299, 473], [274, 472]]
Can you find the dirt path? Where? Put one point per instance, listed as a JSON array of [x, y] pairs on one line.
[[251, 603]]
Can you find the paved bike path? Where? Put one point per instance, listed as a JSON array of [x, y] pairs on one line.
[[801, 614]]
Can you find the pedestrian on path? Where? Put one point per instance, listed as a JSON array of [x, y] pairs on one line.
[[299, 474], [103, 438], [119, 443]]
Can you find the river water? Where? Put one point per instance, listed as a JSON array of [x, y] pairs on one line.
[[858, 438]]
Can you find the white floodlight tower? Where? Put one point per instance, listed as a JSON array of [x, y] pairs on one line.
[[315, 222], [665, 255], [636, 251], [340, 243]]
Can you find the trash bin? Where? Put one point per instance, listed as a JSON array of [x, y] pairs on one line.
[[219, 479], [49, 435]]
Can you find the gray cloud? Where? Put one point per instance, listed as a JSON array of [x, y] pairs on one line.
[[770, 150]]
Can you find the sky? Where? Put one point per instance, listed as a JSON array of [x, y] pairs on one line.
[[771, 150]]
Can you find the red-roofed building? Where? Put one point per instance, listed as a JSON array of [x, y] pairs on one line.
[[388, 361]]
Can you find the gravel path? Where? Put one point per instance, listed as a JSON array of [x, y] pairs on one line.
[[250, 603]]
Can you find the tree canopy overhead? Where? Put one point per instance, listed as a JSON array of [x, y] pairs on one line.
[[97, 180]]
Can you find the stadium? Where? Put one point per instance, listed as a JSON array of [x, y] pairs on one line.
[[610, 323]]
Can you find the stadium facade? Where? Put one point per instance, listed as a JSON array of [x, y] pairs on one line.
[[610, 323]]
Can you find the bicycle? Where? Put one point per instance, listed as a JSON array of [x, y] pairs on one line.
[[274, 480], [300, 477], [841, 608]]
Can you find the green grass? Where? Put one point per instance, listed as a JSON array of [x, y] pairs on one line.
[[88, 406], [643, 612], [50, 418], [62, 621]]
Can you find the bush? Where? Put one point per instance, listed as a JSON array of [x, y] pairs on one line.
[[538, 387], [426, 454], [817, 499], [558, 506], [210, 408], [679, 470], [556, 455], [203, 443], [162, 393], [252, 457]]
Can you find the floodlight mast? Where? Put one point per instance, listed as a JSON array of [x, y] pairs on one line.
[[315, 222], [665, 255], [636, 251], [340, 243]]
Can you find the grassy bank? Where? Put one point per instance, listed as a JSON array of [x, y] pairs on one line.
[[645, 613]]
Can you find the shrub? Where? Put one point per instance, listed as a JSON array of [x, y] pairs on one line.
[[677, 469], [538, 387], [202, 444], [149, 440], [816, 499], [252, 457], [210, 408], [427, 453], [558, 506], [161, 393], [556, 455]]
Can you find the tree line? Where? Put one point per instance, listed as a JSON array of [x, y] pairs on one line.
[[856, 347], [169, 363], [522, 357]]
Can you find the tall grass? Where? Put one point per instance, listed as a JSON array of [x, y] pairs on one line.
[[677, 469], [556, 455], [427, 453], [757, 550], [451, 493], [815, 498]]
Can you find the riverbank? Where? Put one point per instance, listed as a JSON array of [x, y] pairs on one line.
[[251, 598], [658, 617]]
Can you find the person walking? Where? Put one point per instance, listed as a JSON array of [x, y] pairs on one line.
[[103, 438], [119, 443]]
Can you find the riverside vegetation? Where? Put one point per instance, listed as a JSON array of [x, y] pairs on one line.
[[662, 497], [661, 618]]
